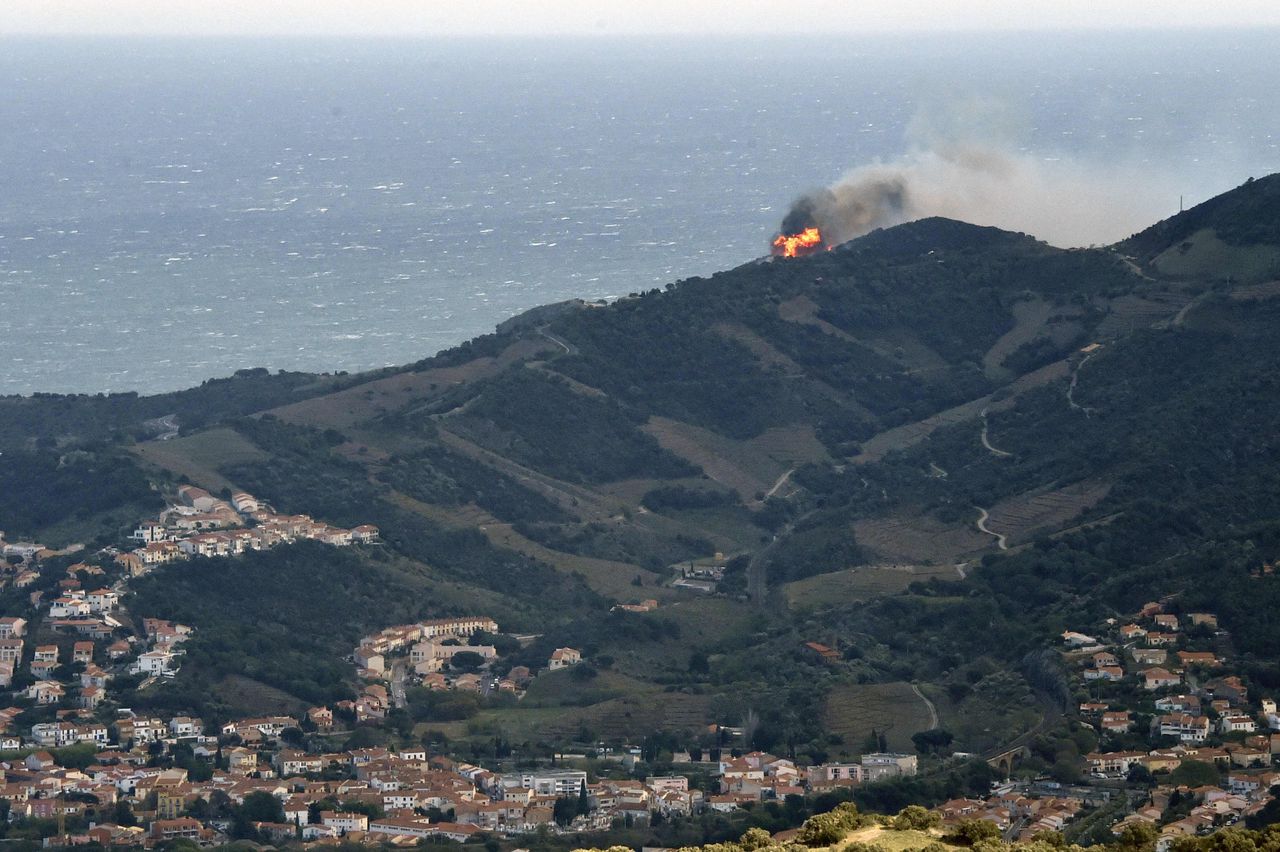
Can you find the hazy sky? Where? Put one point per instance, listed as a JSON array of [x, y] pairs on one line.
[[547, 17]]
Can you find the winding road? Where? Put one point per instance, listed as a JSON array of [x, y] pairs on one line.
[[986, 442], [169, 425], [1071, 389], [1001, 541], [569, 349]]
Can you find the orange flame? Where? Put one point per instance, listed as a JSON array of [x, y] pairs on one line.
[[807, 241]]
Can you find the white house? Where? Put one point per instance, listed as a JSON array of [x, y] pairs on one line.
[[155, 662], [1228, 724], [151, 531], [184, 726], [69, 607], [102, 600]]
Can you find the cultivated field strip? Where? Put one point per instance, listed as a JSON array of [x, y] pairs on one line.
[[1021, 517]]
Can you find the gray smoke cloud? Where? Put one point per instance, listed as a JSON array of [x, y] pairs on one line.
[[955, 169]]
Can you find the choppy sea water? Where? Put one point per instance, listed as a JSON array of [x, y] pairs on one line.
[[171, 212]]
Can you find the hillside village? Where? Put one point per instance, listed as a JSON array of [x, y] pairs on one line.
[[86, 601], [1158, 689], [199, 524], [102, 773], [1174, 720]]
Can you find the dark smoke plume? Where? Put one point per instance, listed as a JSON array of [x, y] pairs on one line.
[[850, 209], [949, 172]]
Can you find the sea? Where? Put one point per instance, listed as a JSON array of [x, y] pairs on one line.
[[176, 210]]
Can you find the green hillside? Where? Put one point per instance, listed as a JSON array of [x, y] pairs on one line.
[[930, 450]]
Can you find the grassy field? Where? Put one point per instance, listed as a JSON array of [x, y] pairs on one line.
[[609, 578], [1206, 256], [748, 467], [199, 456], [791, 445], [585, 503], [622, 717], [763, 350], [1267, 290], [1029, 318], [706, 619], [724, 460], [854, 710], [356, 404], [897, 344], [860, 584], [730, 530], [1130, 312]]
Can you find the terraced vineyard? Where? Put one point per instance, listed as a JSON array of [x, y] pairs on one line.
[[919, 539], [1020, 518], [854, 711]]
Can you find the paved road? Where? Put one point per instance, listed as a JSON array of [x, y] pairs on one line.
[[397, 683]]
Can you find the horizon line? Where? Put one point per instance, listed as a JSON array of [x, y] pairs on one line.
[[646, 34]]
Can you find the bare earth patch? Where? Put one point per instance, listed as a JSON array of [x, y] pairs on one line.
[[892, 841]]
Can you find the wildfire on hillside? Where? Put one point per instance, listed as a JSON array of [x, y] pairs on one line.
[[807, 241]]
